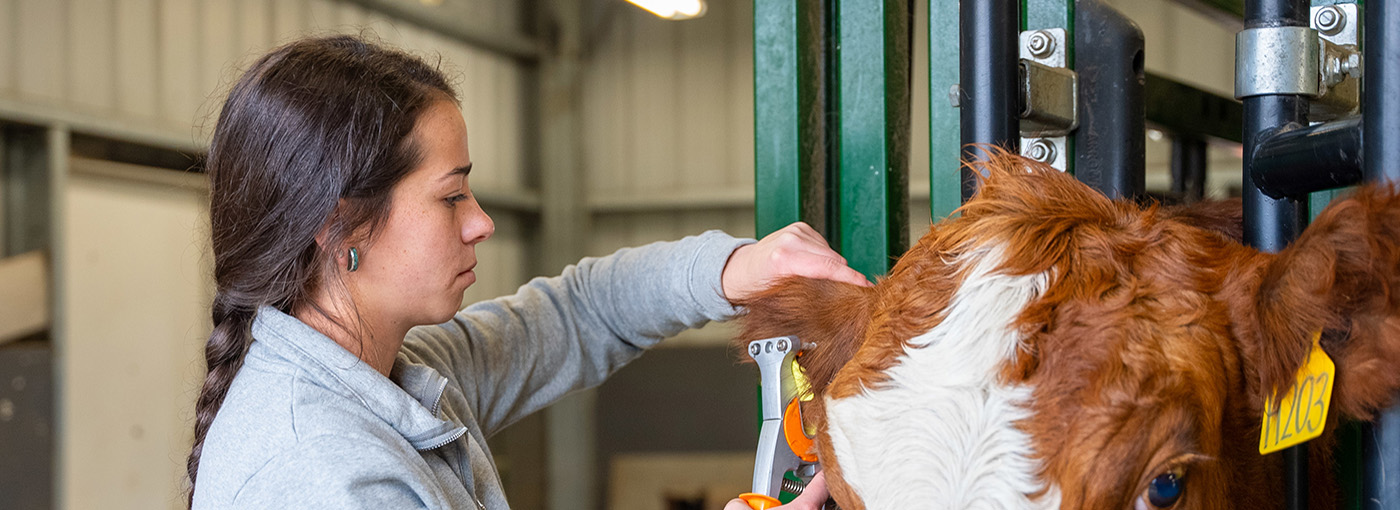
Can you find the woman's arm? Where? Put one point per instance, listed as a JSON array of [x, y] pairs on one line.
[[517, 354]]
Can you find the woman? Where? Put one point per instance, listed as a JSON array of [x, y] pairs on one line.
[[340, 372]]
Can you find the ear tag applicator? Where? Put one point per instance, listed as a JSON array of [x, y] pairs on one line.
[[1302, 413]]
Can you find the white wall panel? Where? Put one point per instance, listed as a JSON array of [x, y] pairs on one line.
[[137, 56], [653, 108], [605, 94], [739, 83], [289, 19], [91, 42], [351, 17], [180, 64], [137, 318], [8, 45], [321, 15], [42, 50], [254, 22], [510, 102], [701, 89], [220, 56]]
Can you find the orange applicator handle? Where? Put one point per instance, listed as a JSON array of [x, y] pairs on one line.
[[759, 501]]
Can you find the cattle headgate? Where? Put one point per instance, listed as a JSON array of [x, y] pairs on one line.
[[1062, 81]]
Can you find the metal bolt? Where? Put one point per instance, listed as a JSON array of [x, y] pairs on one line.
[[955, 95], [1041, 150], [1330, 20], [755, 349], [782, 345], [1041, 44], [7, 409], [1353, 65]]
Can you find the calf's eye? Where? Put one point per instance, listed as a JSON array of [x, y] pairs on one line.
[[1163, 491]]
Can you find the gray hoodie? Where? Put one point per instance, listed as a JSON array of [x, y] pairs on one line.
[[306, 424]]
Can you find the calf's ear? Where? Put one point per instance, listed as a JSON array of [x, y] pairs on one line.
[[828, 314], [1340, 277]]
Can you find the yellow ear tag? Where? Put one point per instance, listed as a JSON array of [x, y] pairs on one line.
[[1303, 411]]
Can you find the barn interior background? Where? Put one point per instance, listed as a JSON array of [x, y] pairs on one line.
[[594, 125]]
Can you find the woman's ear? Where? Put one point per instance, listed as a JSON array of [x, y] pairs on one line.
[[1342, 278]]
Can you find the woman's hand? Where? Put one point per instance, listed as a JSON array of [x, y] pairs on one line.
[[811, 498], [796, 250]]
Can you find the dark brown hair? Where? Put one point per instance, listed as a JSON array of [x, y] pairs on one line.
[[313, 137]]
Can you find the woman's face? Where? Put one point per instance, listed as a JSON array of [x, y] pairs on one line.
[[420, 262]]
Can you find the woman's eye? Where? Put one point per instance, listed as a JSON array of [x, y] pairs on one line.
[[452, 200], [1164, 491]]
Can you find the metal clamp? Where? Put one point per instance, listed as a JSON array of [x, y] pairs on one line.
[[1340, 67], [1276, 60], [1049, 96]]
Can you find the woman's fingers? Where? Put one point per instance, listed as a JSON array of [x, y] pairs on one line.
[[795, 250]]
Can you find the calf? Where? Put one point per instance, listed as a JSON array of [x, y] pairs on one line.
[[1052, 348]]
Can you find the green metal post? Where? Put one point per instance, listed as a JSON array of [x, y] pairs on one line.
[[945, 156], [790, 146], [777, 194], [872, 95]]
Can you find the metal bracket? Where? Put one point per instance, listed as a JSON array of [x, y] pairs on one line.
[[1049, 96], [1276, 60], [1339, 87]]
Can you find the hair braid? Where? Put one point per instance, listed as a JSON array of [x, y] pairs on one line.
[[223, 355]]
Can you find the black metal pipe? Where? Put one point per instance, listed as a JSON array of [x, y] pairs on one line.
[[1109, 149], [1380, 103], [1270, 224], [1188, 167], [1295, 162], [989, 103]]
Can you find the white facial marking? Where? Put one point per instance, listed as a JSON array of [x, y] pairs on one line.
[[939, 433]]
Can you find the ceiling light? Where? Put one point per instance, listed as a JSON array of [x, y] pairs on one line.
[[674, 10]]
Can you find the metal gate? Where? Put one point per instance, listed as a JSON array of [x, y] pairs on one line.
[[1062, 81]]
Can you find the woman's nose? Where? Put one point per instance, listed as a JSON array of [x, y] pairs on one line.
[[477, 226]]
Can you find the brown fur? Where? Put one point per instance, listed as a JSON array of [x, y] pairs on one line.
[[1155, 343]]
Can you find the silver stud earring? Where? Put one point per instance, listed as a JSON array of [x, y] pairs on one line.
[[354, 260]]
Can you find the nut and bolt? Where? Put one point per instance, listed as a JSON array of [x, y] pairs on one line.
[[1330, 20], [782, 345], [1041, 44], [755, 349], [1041, 150]]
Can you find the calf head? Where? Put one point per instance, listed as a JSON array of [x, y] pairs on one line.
[[1051, 348]]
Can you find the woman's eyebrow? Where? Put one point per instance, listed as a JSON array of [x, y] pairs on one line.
[[459, 171]]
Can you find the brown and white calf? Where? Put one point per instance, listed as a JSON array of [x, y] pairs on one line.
[[1051, 348]]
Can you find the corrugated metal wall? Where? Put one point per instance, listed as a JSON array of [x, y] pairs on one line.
[[668, 137], [163, 66]]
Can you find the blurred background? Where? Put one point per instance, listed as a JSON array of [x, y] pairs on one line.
[[593, 125]]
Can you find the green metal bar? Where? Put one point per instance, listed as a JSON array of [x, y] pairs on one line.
[[945, 157], [777, 172], [873, 103], [790, 111], [1042, 14]]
